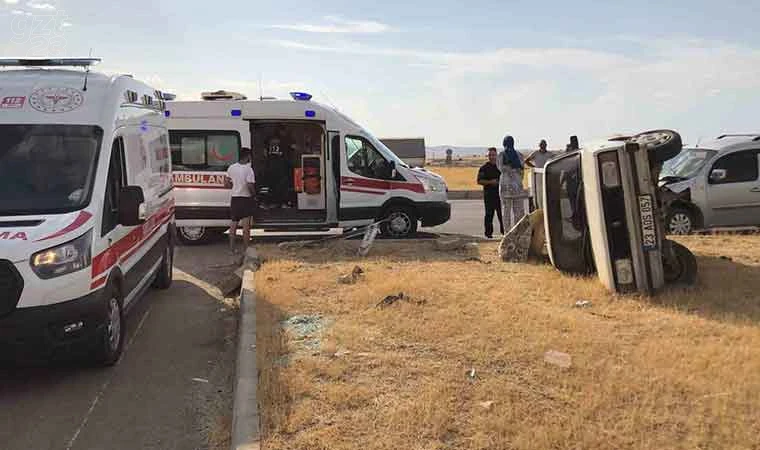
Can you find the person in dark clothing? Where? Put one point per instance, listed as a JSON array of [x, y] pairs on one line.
[[488, 177]]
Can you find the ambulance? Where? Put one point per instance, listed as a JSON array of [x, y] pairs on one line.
[[86, 207], [316, 169]]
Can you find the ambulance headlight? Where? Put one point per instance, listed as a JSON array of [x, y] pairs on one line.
[[63, 259], [432, 184]]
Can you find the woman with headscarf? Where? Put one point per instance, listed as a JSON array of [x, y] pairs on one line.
[[511, 188]]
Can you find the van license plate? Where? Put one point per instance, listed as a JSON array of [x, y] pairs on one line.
[[648, 227]]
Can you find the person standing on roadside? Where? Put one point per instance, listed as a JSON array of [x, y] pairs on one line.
[[242, 180], [488, 177], [539, 158], [511, 188]]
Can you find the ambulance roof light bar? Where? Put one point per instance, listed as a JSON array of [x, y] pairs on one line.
[[48, 62]]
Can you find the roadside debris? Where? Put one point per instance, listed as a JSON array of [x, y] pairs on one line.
[[200, 380], [306, 329], [391, 299], [525, 240], [368, 239], [231, 284], [486, 405], [583, 304], [471, 374], [352, 277], [558, 359]]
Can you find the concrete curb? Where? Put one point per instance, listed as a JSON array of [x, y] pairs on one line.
[[246, 425], [465, 195]]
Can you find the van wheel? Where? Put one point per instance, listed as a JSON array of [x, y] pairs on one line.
[[165, 270], [110, 343], [194, 235], [679, 264], [663, 144], [679, 221], [400, 222]]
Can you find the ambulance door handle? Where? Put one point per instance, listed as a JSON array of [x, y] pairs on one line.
[[349, 182], [756, 189]]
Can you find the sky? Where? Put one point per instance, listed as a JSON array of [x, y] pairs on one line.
[[453, 72]]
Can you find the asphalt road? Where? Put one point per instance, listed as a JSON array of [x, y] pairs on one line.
[[172, 389], [466, 218]]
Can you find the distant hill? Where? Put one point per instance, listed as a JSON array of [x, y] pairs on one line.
[[439, 151]]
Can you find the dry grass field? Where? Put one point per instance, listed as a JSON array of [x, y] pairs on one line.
[[459, 363], [464, 176]]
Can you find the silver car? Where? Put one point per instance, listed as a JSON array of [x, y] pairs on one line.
[[715, 185]]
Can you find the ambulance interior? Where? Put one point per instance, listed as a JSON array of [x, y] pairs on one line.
[[288, 160]]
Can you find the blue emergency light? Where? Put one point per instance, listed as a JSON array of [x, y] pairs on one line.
[[167, 113], [310, 113], [236, 113], [303, 96]]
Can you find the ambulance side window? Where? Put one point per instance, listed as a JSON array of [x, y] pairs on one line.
[[364, 159], [116, 180]]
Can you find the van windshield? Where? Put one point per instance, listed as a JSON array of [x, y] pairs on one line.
[[686, 164], [47, 169]]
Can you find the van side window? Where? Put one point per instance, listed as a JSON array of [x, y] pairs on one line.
[[211, 151], [365, 160], [117, 177], [740, 167]]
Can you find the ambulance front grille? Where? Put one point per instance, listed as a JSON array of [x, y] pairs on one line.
[[11, 285]]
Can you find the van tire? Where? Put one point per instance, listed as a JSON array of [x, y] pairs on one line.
[[400, 222], [663, 144], [107, 350], [680, 266], [679, 221], [164, 276], [194, 235]]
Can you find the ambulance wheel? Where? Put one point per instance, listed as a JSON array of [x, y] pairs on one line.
[[680, 264], [164, 277], [400, 222], [679, 221], [194, 235], [110, 341], [663, 144]]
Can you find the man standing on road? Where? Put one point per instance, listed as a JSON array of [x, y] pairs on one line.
[[242, 180], [539, 158], [488, 177]]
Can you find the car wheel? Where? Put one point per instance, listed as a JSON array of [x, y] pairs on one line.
[[679, 221], [400, 222], [165, 270], [110, 343], [663, 144], [679, 264], [194, 235]]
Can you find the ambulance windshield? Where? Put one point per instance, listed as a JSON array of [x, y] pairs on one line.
[[46, 169]]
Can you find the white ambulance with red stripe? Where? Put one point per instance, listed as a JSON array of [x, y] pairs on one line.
[[315, 168], [86, 206]]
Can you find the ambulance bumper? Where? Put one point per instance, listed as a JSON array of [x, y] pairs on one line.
[[434, 213], [46, 332]]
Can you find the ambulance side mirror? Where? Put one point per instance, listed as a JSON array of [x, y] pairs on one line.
[[131, 206], [718, 175], [392, 169]]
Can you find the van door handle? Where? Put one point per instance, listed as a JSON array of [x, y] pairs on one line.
[[755, 189]]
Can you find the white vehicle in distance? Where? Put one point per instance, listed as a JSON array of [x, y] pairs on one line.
[[712, 186], [602, 214], [315, 168], [86, 207]]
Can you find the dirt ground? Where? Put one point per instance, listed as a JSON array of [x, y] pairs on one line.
[[460, 361]]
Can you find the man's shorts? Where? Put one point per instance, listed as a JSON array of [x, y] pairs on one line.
[[242, 208]]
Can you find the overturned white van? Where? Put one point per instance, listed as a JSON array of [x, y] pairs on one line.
[[315, 169], [86, 206]]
